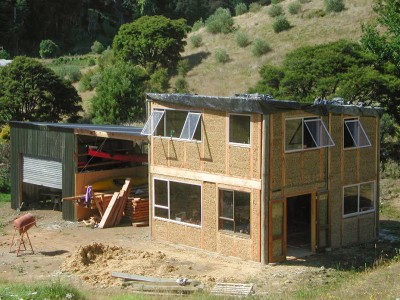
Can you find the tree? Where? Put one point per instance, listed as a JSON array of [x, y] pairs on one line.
[[151, 41], [47, 49], [32, 92], [120, 94]]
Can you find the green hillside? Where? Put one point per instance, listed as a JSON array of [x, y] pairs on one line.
[[241, 72]]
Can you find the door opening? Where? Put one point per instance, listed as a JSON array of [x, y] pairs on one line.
[[298, 218]]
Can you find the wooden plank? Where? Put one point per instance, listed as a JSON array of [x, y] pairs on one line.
[[123, 196], [107, 213], [141, 278], [233, 289]]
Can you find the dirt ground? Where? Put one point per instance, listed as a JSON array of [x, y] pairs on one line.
[[84, 256]]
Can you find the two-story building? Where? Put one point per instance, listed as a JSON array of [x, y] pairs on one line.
[[261, 179]]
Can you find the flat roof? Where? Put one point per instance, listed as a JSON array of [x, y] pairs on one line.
[[264, 104]]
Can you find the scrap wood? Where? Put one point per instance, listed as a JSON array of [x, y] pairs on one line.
[[233, 289], [141, 278], [105, 220], [145, 288]]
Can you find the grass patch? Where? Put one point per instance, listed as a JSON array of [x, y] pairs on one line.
[[54, 290], [5, 197]]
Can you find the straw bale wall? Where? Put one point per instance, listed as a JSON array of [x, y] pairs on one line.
[[239, 161]]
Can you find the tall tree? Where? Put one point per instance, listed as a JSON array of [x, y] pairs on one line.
[[151, 41], [32, 92]]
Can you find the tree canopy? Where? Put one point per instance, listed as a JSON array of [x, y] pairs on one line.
[[151, 42], [32, 92]]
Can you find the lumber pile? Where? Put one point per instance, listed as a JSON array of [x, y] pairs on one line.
[[137, 206]]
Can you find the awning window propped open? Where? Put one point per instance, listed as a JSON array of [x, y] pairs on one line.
[[152, 122], [355, 130], [319, 133], [190, 126]]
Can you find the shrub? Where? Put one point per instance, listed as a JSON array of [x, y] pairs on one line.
[[281, 24], [276, 1], [221, 56], [85, 81], [333, 6], [181, 86], [305, 1], [47, 49], [97, 47], [183, 67], [68, 72], [159, 81], [242, 39], [4, 54], [220, 21], [260, 47], [294, 7], [91, 62], [196, 40], [240, 9], [197, 25], [275, 10], [255, 7], [264, 2], [5, 166], [95, 79], [314, 13]]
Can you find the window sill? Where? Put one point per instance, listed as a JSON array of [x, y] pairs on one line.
[[176, 139], [356, 148], [177, 222], [352, 215], [239, 145], [235, 234], [302, 150]]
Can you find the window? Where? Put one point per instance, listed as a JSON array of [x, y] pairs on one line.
[[354, 135], [306, 133], [358, 199], [177, 124], [177, 201], [234, 211], [239, 129]]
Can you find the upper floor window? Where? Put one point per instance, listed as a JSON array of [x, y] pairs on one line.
[[306, 133], [177, 124], [234, 211], [358, 198], [239, 129], [354, 135]]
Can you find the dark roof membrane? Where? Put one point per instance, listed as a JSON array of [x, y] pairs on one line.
[[262, 104]]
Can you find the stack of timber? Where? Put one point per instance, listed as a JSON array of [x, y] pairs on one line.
[[115, 209], [137, 206]]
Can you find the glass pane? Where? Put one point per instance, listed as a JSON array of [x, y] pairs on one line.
[[185, 202], [242, 212], [350, 200], [351, 129], [277, 219], [319, 133], [225, 225], [191, 124], [175, 119], [363, 140], [161, 212], [239, 129], [226, 204], [366, 196], [293, 134], [161, 192], [152, 122], [277, 248]]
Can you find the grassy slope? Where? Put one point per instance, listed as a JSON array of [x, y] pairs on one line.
[[241, 71]]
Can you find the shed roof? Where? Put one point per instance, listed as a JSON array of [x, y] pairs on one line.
[[263, 104], [110, 131]]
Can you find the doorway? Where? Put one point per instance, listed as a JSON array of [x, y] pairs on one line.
[[298, 225]]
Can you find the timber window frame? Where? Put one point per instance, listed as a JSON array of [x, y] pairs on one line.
[[174, 124], [308, 133], [177, 202], [234, 211], [354, 135], [356, 201], [239, 133]]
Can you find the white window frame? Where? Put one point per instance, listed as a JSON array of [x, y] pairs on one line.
[[150, 121], [303, 121], [229, 130], [169, 204], [187, 124], [358, 200], [360, 127]]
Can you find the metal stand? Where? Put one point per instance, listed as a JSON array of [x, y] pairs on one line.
[[21, 241]]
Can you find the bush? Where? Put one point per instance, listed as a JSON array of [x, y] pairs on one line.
[[276, 1], [294, 7], [281, 24], [97, 47], [242, 39], [221, 56], [264, 2], [47, 49], [220, 21], [275, 10], [68, 72], [314, 13], [85, 83], [240, 9], [305, 1], [197, 25], [91, 62], [183, 67], [260, 47], [181, 86], [4, 167], [159, 81], [255, 7], [333, 6], [196, 40], [4, 54]]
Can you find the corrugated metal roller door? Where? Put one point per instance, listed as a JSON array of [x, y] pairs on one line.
[[43, 172]]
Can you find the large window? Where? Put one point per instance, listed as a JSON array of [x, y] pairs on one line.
[[306, 133], [234, 211], [358, 198], [178, 124], [354, 135], [239, 129], [177, 201]]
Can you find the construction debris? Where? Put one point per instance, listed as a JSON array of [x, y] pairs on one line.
[[233, 289]]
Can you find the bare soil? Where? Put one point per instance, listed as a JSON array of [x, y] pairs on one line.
[[75, 253]]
